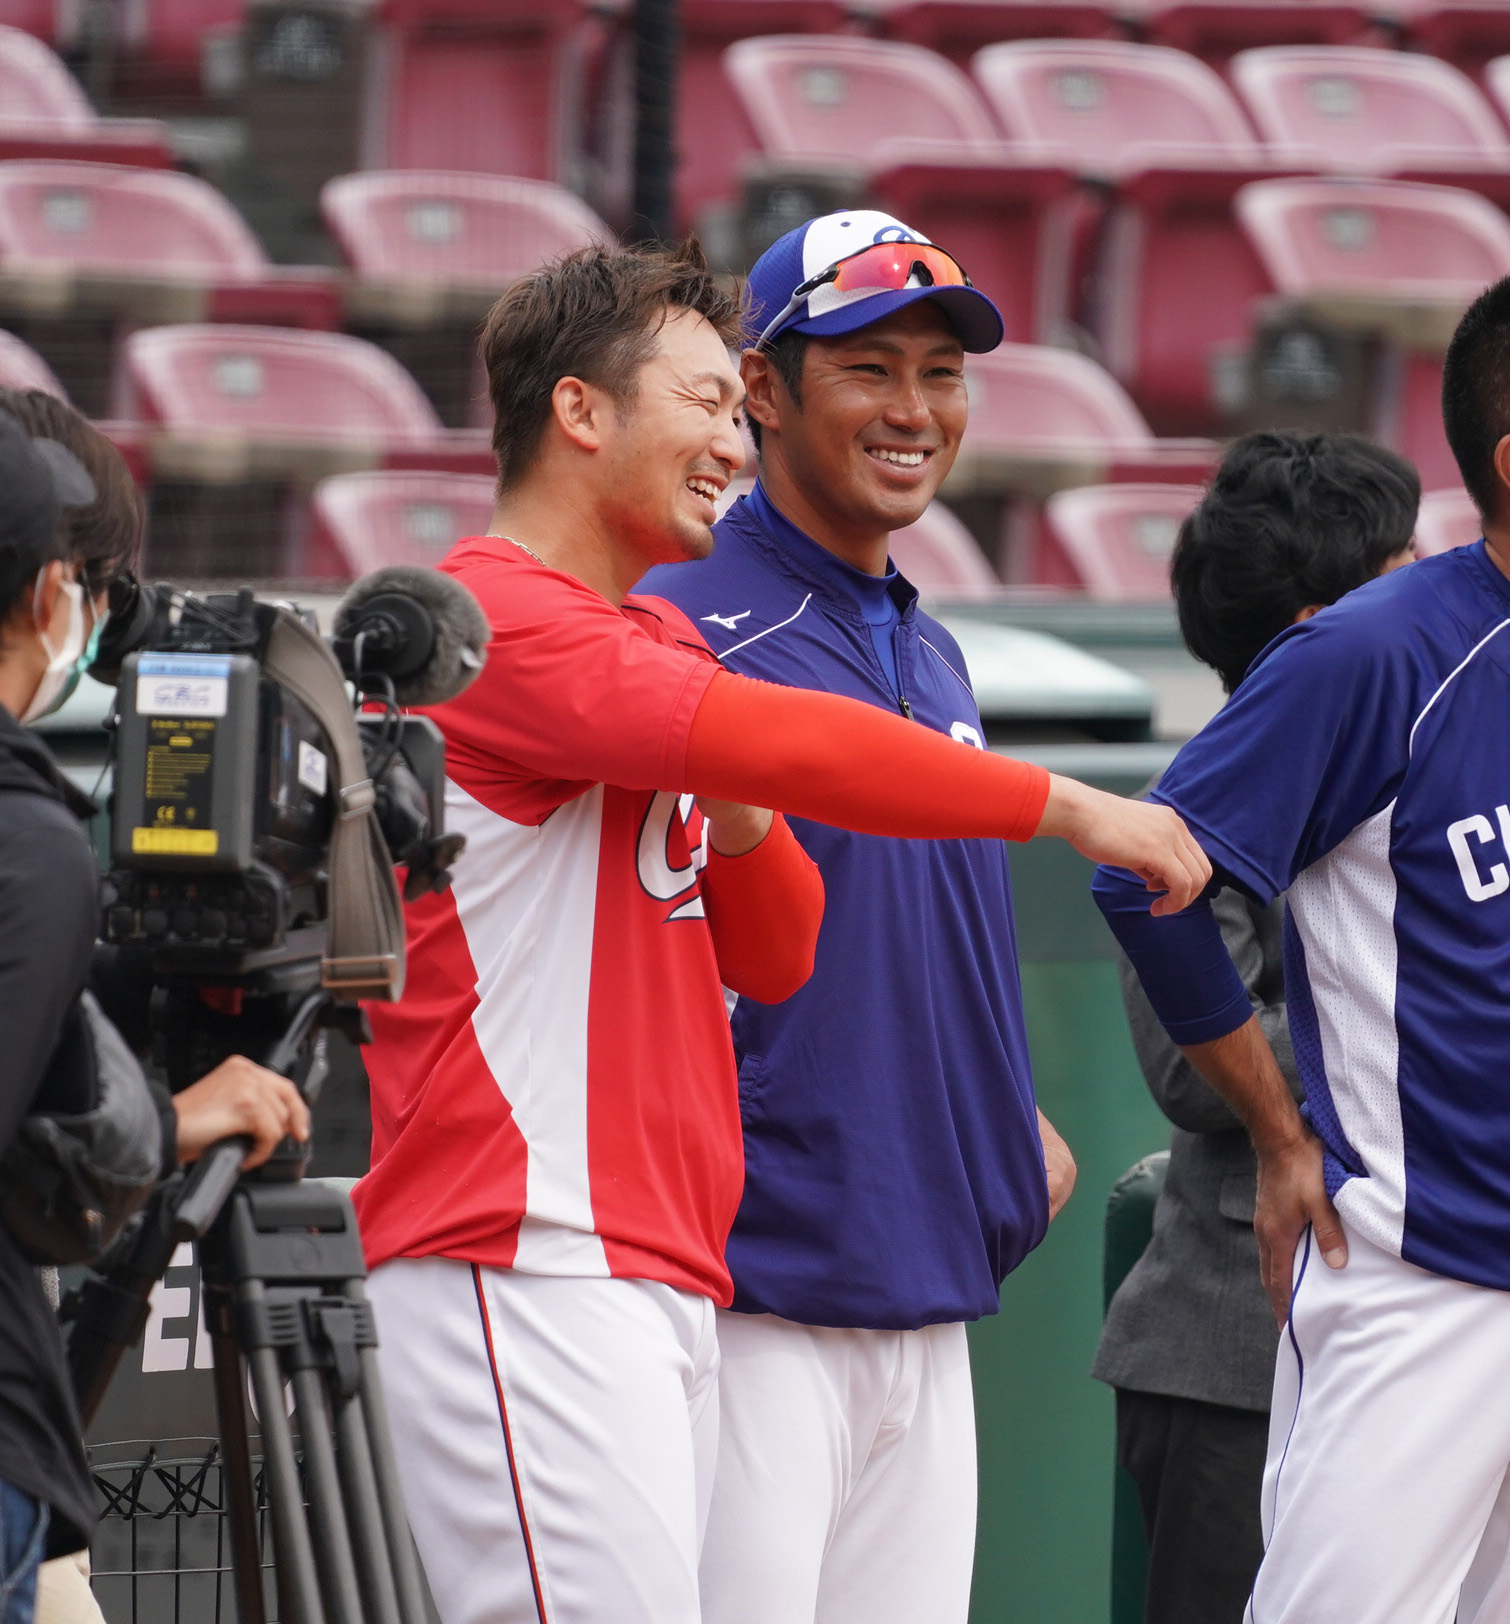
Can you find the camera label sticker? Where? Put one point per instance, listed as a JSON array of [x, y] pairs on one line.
[[169, 842], [182, 685], [313, 770]]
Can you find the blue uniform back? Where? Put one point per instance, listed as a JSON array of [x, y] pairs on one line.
[[894, 1173], [1363, 765]]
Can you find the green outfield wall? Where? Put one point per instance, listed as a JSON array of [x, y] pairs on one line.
[[1046, 1444]]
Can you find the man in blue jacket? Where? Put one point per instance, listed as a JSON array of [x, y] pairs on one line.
[[894, 1167]]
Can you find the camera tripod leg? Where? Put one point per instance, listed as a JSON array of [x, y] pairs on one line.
[[400, 1541], [365, 1512], [236, 1461], [292, 1548], [327, 1512]]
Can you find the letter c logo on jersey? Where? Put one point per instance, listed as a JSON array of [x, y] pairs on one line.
[[662, 877], [1494, 880]]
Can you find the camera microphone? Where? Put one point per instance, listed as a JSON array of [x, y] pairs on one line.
[[421, 629]]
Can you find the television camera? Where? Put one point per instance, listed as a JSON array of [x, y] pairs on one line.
[[266, 787]]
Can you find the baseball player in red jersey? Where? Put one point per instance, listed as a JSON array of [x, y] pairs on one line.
[[556, 1142]]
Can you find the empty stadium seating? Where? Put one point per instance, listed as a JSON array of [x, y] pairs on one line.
[[714, 137], [1376, 112], [1216, 29], [1118, 538], [913, 131], [1447, 519], [148, 244], [1170, 277], [1390, 259], [366, 521], [427, 246], [44, 113], [941, 558], [1044, 420], [1467, 33], [239, 420], [959, 28]]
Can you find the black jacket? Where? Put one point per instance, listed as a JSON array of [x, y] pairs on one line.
[[49, 907]]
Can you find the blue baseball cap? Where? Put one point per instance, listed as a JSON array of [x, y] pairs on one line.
[[826, 313]]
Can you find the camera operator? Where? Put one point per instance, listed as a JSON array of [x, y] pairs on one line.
[[69, 524]]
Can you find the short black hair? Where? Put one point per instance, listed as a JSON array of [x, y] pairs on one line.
[[788, 353], [1476, 393], [1289, 520]]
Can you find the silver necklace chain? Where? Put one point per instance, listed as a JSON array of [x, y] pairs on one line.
[[520, 545]]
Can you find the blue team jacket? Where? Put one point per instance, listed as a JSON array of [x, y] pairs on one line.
[[894, 1172]]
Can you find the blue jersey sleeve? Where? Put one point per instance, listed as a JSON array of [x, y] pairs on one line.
[[1180, 959], [1314, 741]]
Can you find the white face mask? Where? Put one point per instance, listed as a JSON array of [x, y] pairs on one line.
[[63, 663]]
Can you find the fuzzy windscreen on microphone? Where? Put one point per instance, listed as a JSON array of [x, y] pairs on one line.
[[422, 628]]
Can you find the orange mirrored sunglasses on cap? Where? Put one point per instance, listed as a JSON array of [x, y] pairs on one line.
[[883, 267]]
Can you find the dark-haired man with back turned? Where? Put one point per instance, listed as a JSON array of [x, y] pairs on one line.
[[1363, 768], [556, 1148]]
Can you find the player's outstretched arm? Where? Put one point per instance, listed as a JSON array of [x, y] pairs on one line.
[[1291, 1187], [841, 762]]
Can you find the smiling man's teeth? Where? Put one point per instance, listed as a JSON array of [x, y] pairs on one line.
[[703, 487], [903, 459]]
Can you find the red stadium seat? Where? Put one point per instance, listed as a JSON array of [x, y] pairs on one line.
[[1170, 276], [1387, 258], [230, 403], [1447, 519], [1497, 83], [238, 421], [941, 558], [44, 113], [160, 44], [1215, 30], [1119, 538], [22, 368], [1044, 420], [1467, 33], [916, 129], [472, 84], [959, 28], [36, 17], [1374, 112], [147, 244], [366, 521], [715, 137], [1110, 107], [427, 245]]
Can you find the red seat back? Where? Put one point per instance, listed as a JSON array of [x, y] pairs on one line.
[[459, 229], [959, 28], [22, 368], [1370, 111], [1447, 519], [368, 521], [1107, 105], [1025, 397], [1214, 29], [268, 383], [708, 165], [1120, 537], [939, 555], [845, 99], [107, 217], [1377, 239]]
